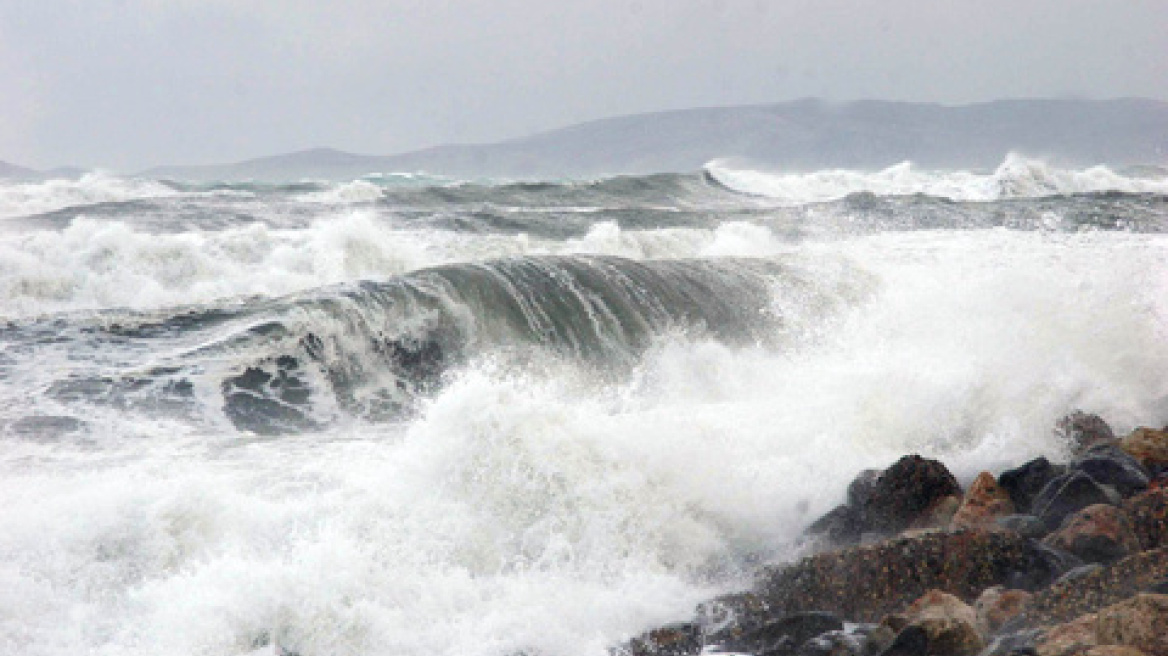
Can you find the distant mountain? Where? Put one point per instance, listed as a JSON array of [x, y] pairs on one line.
[[14, 172], [799, 135]]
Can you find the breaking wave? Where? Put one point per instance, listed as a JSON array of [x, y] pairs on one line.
[[1016, 177]]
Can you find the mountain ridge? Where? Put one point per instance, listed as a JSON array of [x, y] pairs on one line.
[[797, 135]]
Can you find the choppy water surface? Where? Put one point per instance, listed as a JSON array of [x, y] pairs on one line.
[[405, 415]]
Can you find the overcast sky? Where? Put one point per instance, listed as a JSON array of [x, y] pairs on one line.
[[127, 84]]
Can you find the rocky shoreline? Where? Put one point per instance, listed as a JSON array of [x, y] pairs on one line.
[[1045, 559]]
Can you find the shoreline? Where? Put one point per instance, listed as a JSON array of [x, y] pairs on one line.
[[1045, 559]]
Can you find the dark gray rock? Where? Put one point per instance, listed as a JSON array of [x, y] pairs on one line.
[[1108, 464], [862, 486], [905, 491], [684, 639], [913, 641], [842, 526], [1042, 566], [1157, 587], [1020, 643], [1025, 482], [786, 634], [834, 643], [1028, 526], [1079, 572], [1066, 494]]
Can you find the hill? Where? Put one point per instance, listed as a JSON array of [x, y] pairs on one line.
[[799, 135]]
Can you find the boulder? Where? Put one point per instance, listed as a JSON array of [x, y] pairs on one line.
[[1028, 526], [866, 583], [912, 641], [783, 635], [861, 487], [1025, 482], [683, 639], [1157, 587], [842, 526], [835, 643], [1079, 572], [1149, 516], [1069, 639], [1108, 585], [985, 502], [1140, 622], [949, 623], [997, 605], [1082, 430], [1047, 564], [1011, 644], [1098, 534], [905, 491], [1149, 446], [1113, 650], [937, 516], [1067, 494], [1110, 465]]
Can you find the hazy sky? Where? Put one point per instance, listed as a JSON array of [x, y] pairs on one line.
[[128, 84]]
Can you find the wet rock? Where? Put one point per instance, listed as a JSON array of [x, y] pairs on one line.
[[1028, 526], [1114, 650], [1044, 565], [985, 502], [1018, 643], [949, 623], [1079, 572], [1149, 446], [782, 636], [867, 583], [834, 643], [840, 527], [1082, 430], [861, 487], [1098, 534], [912, 641], [1069, 639], [1066, 494], [1110, 584], [1140, 622], [1025, 482], [683, 639], [880, 637], [937, 516], [1111, 465], [905, 491], [1149, 516], [997, 605]]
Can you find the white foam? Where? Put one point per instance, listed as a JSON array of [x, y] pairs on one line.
[[1016, 177], [91, 263], [537, 510], [355, 191], [24, 198]]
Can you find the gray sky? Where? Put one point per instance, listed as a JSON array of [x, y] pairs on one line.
[[128, 84]]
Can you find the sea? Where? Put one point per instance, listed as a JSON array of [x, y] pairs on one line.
[[407, 414]]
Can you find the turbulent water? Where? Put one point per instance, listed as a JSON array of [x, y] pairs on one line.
[[411, 415]]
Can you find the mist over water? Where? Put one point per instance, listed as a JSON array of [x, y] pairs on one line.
[[392, 417]]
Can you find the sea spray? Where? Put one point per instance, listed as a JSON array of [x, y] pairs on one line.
[[526, 502]]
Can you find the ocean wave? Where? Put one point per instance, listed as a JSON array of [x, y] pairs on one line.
[[373, 347], [1016, 177], [522, 499], [25, 198]]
